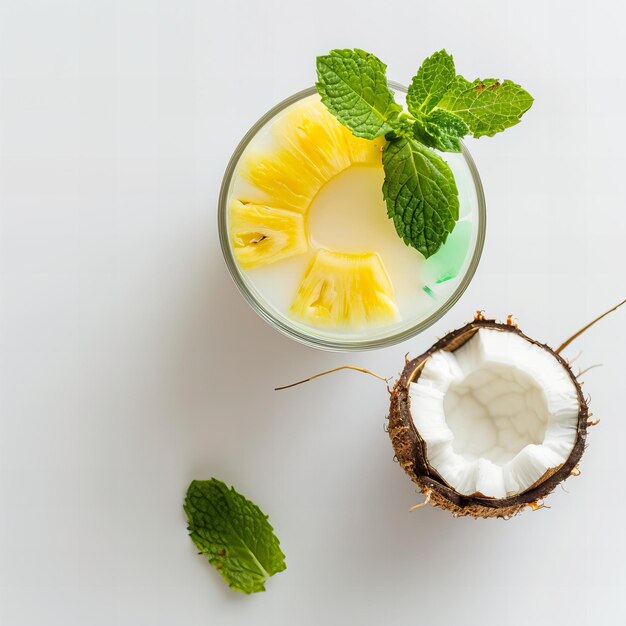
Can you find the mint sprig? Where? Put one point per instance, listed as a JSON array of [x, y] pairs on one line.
[[233, 534], [443, 107]]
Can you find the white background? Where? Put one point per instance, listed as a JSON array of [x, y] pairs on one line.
[[131, 365]]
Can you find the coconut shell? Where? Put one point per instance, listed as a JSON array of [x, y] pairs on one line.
[[410, 448]]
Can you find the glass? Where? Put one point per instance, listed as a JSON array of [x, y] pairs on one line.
[[305, 334]]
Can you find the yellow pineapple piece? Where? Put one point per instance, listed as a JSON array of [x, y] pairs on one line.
[[282, 179], [261, 234], [317, 137], [364, 151], [310, 148], [345, 289]]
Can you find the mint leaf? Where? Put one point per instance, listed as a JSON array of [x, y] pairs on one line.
[[486, 106], [421, 195], [234, 535], [441, 130], [431, 82], [353, 85], [448, 123]]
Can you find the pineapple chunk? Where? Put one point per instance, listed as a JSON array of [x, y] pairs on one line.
[[316, 137], [261, 235], [282, 179], [363, 151], [310, 148], [345, 289]]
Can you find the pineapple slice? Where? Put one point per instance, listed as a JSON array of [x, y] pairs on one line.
[[316, 137], [363, 151], [345, 289], [261, 235], [311, 148], [282, 179]]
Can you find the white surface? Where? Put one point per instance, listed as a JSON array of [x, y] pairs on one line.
[[130, 364]]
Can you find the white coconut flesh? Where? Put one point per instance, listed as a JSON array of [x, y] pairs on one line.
[[496, 414]]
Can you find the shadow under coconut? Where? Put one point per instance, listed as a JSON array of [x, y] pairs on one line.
[[406, 544]]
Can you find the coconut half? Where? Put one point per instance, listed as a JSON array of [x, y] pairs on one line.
[[488, 421]]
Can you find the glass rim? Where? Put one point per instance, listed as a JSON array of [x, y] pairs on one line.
[[327, 343]]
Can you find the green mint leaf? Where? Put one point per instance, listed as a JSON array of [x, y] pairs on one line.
[[433, 138], [353, 85], [431, 82], [448, 123], [233, 534], [421, 195], [441, 130], [486, 106]]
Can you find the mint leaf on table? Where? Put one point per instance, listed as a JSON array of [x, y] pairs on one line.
[[233, 534], [421, 194], [486, 106], [353, 85], [431, 83]]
